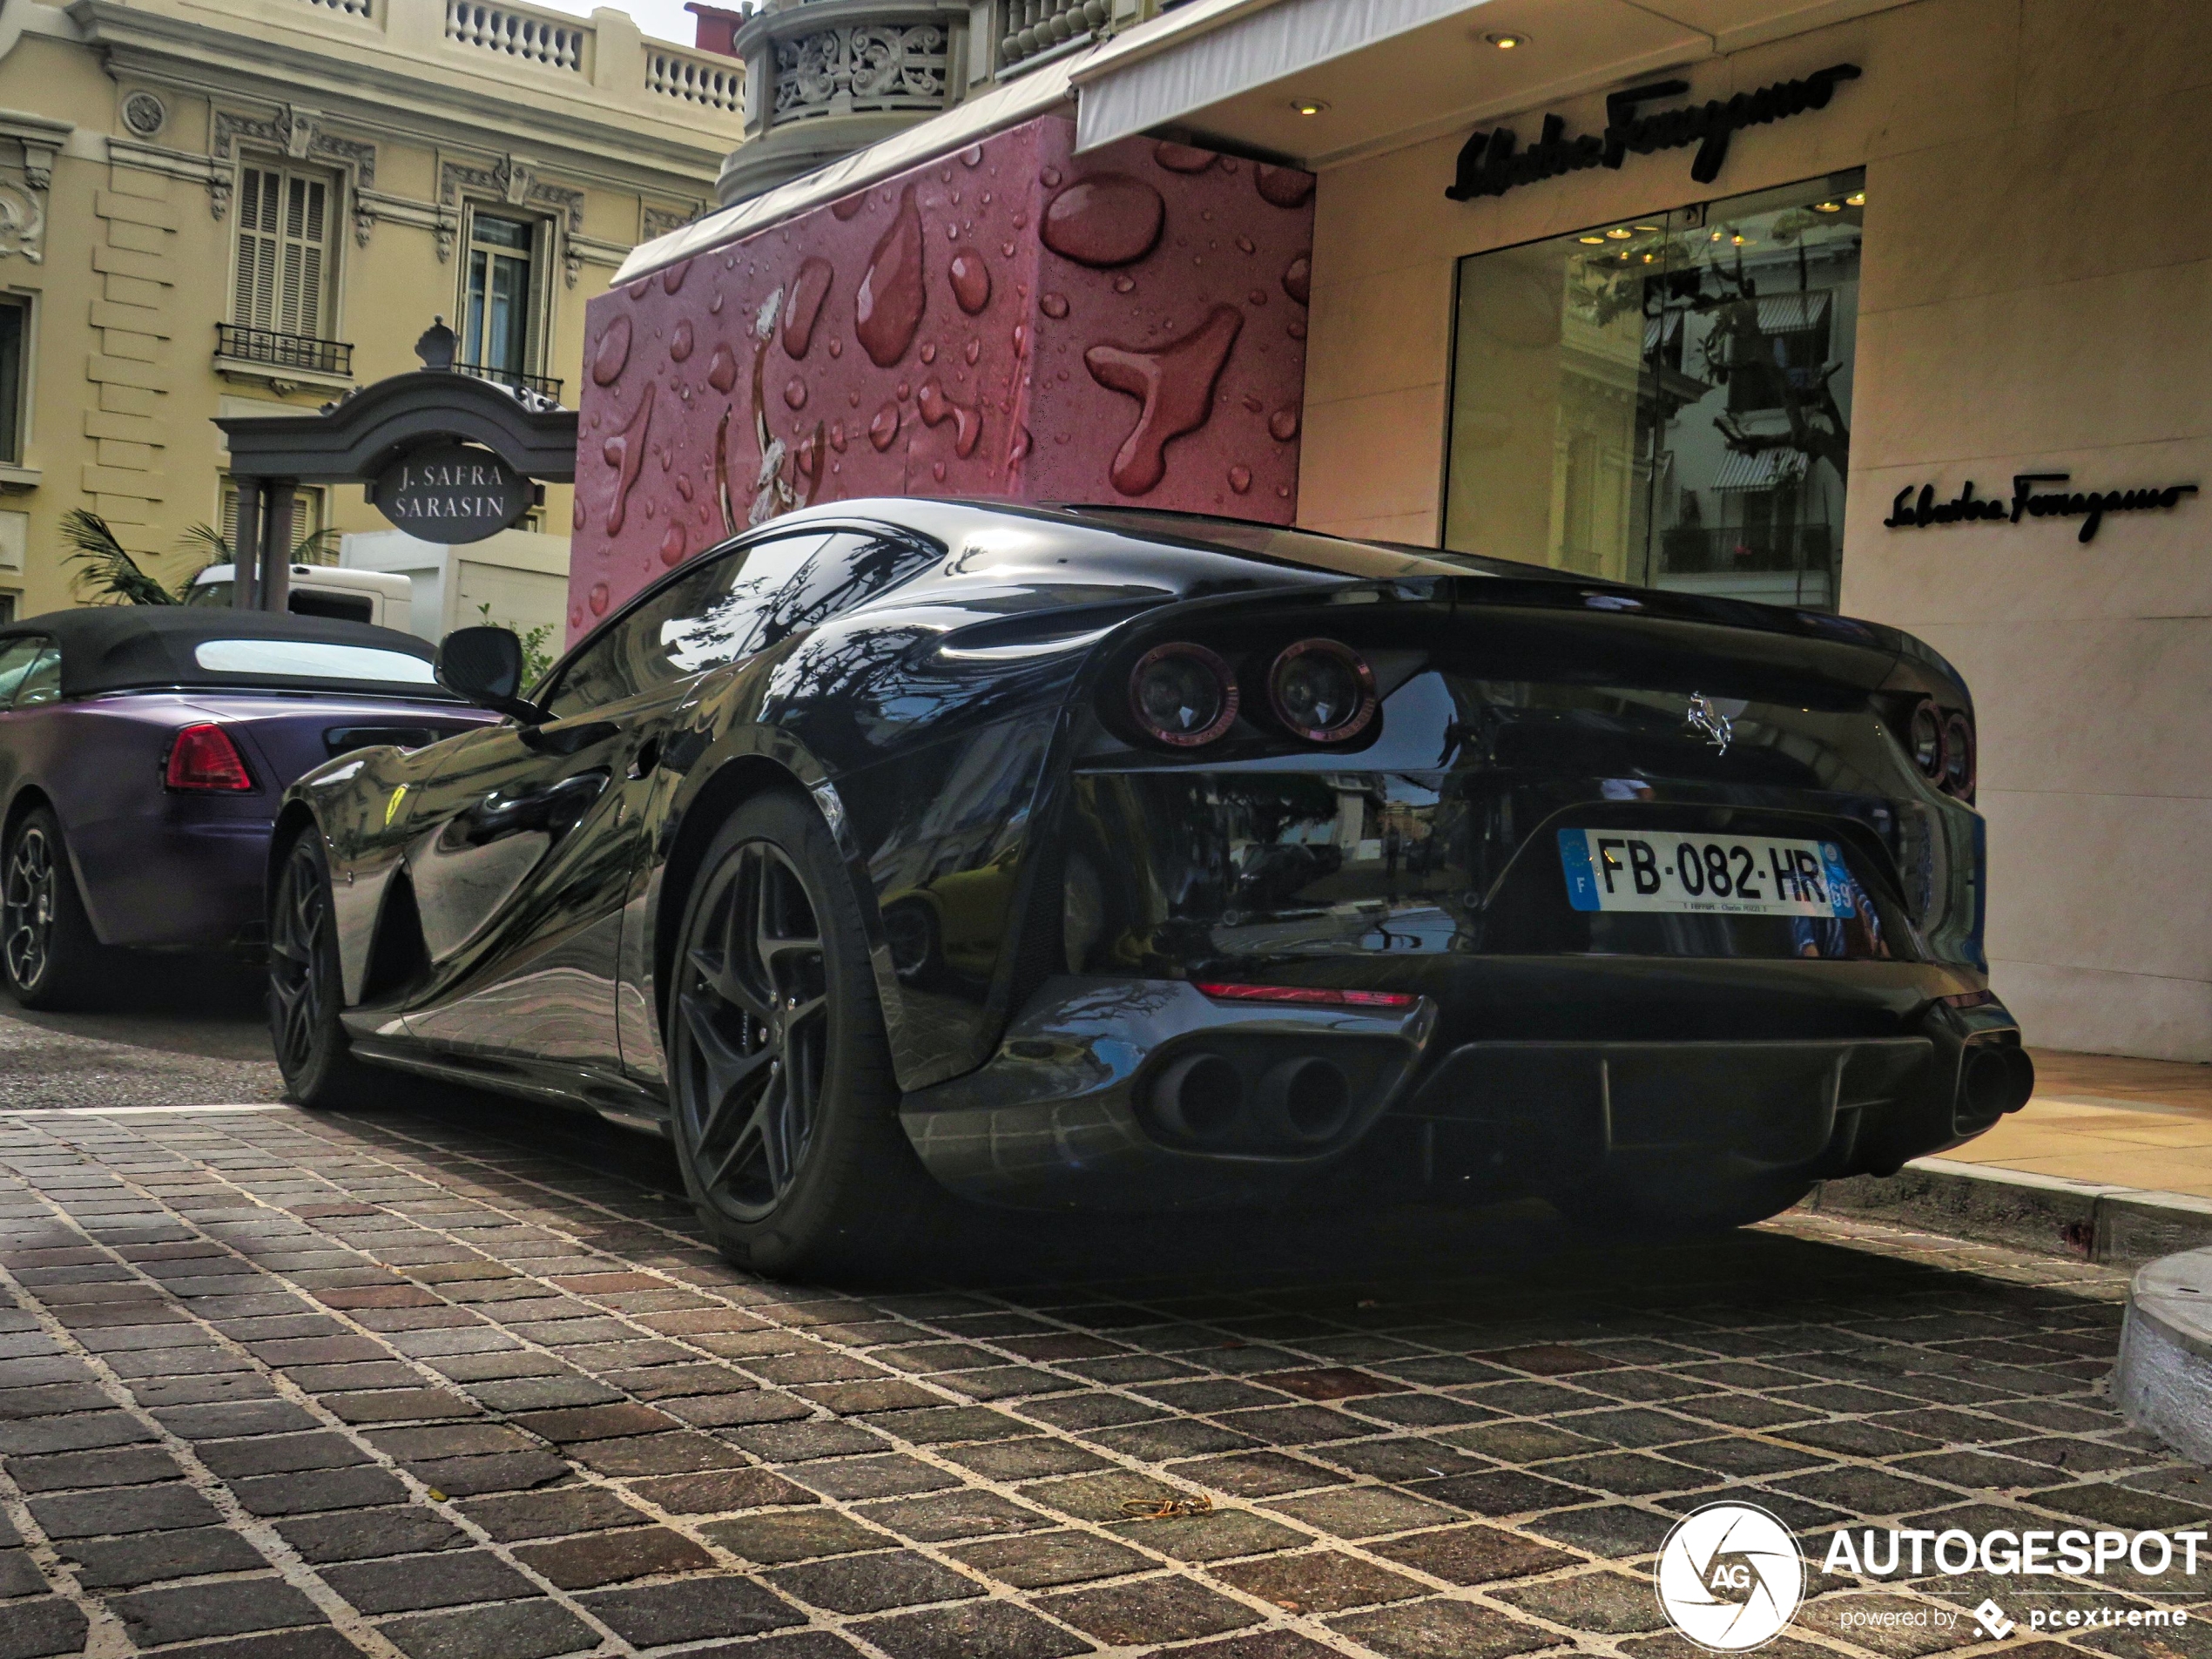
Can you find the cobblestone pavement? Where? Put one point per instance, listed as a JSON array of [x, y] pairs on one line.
[[272, 1384]]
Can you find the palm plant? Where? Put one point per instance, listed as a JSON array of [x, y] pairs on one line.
[[111, 575], [310, 548]]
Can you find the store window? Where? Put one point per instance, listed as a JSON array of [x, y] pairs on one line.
[[495, 333], [1666, 400], [283, 254]]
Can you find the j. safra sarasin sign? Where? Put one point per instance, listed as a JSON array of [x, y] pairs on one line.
[[452, 493]]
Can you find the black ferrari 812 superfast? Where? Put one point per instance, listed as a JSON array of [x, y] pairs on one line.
[[1106, 859]]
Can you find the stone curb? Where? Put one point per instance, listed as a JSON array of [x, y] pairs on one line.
[[2162, 1379], [2110, 1224]]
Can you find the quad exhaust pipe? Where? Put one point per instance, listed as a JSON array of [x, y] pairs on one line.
[[1300, 1102]]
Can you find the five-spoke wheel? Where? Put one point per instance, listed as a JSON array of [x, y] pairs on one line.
[[296, 929], [781, 1097], [305, 989], [754, 1005]]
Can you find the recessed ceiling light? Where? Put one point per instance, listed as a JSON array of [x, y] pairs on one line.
[[1647, 227], [1857, 199], [1591, 241], [1827, 207], [1309, 105], [1620, 233], [1507, 42]]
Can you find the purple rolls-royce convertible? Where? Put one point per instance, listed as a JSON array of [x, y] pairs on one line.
[[143, 751]]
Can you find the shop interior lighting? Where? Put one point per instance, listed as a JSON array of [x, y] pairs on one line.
[[1857, 199], [1507, 42], [1309, 105], [1591, 241], [1827, 207], [1620, 233]]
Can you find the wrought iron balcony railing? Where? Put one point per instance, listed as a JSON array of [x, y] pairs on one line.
[[544, 385], [280, 350]]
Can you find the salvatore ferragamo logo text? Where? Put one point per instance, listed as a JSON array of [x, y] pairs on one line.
[[1915, 509]]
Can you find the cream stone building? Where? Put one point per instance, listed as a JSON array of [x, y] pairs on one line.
[[218, 207]]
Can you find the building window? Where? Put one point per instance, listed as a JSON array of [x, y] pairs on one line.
[[1665, 400], [497, 313], [284, 259], [15, 378]]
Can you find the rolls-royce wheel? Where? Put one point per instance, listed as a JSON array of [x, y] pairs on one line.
[[1694, 1207], [52, 956], [784, 1108], [305, 989]]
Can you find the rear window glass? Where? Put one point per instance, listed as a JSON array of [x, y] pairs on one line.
[[311, 659], [1368, 561]]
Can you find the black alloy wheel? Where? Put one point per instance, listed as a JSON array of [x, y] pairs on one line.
[[755, 1007], [785, 1110], [48, 950], [307, 988]]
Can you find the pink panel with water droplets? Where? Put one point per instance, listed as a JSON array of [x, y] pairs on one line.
[[1013, 321]]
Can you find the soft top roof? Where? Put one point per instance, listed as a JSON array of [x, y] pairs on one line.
[[112, 648]]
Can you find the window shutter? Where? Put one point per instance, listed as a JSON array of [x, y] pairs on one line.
[[283, 251]]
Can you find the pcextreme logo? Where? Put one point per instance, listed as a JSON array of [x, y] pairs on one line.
[[1730, 1577]]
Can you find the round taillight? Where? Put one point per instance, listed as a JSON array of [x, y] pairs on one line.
[[1183, 695], [1958, 755], [1324, 691], [1926, 742]]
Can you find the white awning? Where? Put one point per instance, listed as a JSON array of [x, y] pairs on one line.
[[1767, 469], [1785, 313], [1198, 55]]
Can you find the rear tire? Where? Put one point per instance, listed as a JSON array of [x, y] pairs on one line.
[[781, 1094], [52, 959], [307, 987]]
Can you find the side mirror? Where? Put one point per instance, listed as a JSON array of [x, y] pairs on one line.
[[485, 665]]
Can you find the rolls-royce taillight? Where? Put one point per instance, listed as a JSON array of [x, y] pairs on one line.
[[1322, 691], [204, 759], [1183, 695]]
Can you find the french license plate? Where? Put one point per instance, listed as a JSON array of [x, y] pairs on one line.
[[1721, 875]]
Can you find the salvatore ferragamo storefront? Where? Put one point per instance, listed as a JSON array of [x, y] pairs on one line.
[[1908, 316]]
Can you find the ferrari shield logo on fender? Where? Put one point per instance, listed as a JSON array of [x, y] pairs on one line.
[[1701, 716]]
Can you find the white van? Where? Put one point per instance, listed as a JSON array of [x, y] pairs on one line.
[[517, 579], [377, 597]]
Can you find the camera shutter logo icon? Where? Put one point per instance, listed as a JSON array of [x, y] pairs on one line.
[[1730, 1577]]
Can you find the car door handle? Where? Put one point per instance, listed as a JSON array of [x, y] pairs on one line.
[[648, 757], [553, 809]]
